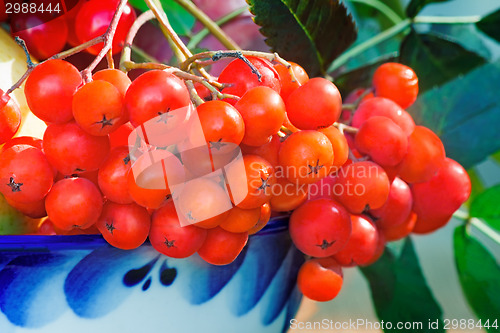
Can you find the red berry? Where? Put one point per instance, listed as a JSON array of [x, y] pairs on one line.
[[74, 203], [124, 226], [437, 199], [222, 247], [320, 279], [49, 90], [314, 105], [424, 158], [240, 78], [93, 20], [10, 117], [170, 238], [320, 228], [396, 82]]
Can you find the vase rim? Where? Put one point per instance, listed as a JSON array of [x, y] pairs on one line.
[[40, 243]]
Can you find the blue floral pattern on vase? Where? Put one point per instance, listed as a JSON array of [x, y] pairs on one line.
[[80, 284]]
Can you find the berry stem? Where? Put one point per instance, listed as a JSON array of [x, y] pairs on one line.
[[198, 37], [109, 59], [447, 19], [218, 33], [402, 26], [167, 29], [214, 56], [195, 98], [362, 47], [485, 229], [21, 43], [108, 42], [60, 55], [346, 128], [350, 107], [127, 48]]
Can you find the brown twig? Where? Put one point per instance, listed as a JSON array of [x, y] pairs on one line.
[[108, 41], [127, 48]]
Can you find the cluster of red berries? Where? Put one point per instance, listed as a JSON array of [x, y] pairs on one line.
[[350, 187], [49, 26]]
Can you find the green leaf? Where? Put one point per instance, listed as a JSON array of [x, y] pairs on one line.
[[415, 6], [360, 77], [436, 60], [477, 186], [180, 19], [496, 157], [486, 206], [479, 276], [489, 25], [311, 33], [464, 113], [400, 292]]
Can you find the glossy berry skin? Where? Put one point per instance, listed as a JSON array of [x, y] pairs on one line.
[[34, 210], [265, 215], [339, 145], [396, 82], [74, 203], [124, 226], [151, 198], [268, 151], [287, 85], [93, 19], [287, 196], [44, 33], [10, 117], [437, 199], [362, 244], [320, 228], [320, 279], [112, 176], [98, 107], [241, 220], [49, 90], [221, 247], [240, 78], [383, 140], [258, 178], [71, 150], [114, 76], [25, 174], [379, 106], [153, 93], [263, 112], [398, 206], [314, 105], [23, 140], [400, 231], [362, 185], [119, 137], [306, 157], [221, 122], [167, 235], [203, 202], [70, 17], [424, 158]]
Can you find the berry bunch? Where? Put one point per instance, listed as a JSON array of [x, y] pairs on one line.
[[136, 160], [48, 26]]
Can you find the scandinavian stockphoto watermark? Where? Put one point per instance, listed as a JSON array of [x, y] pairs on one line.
[[367, 325], [353, 325]]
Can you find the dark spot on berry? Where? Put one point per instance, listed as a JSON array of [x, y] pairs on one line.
[[15, 187], [325, 244]]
